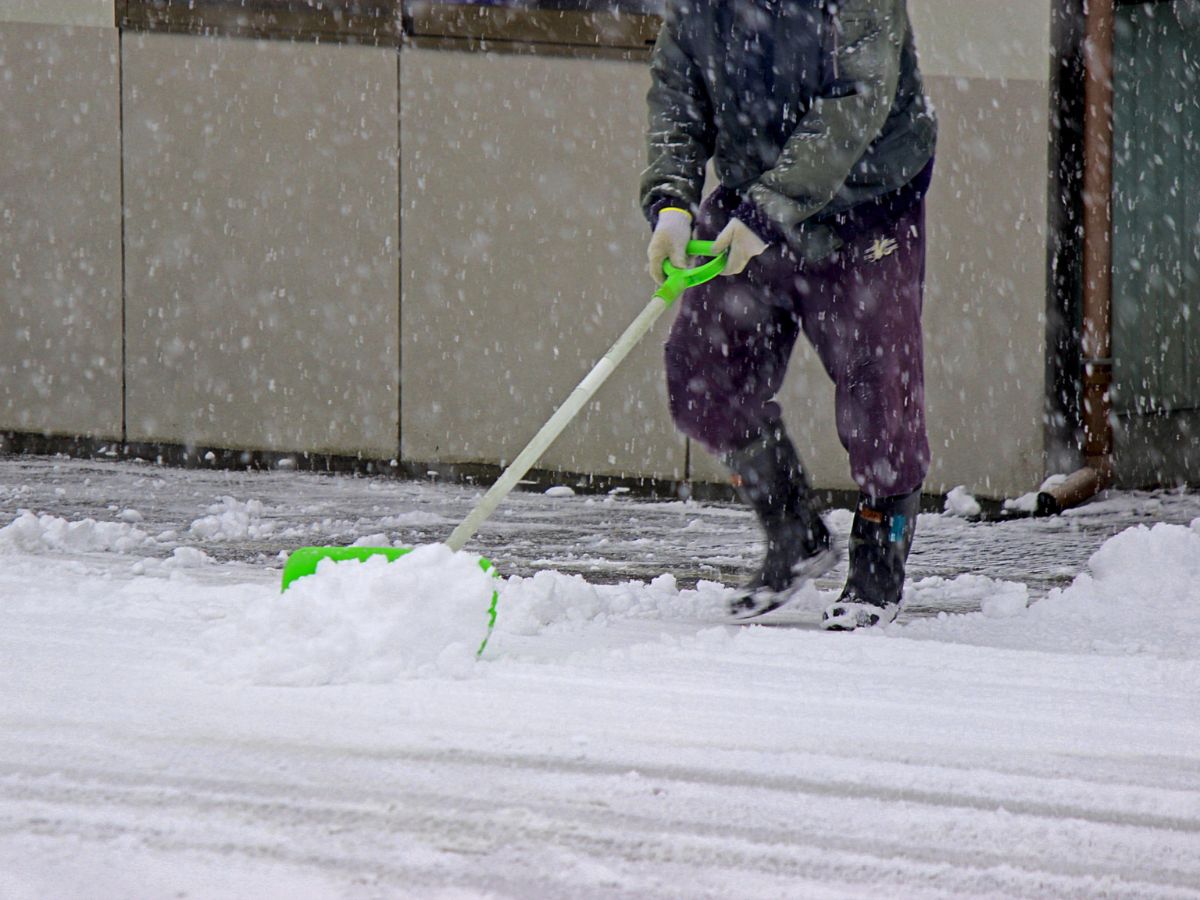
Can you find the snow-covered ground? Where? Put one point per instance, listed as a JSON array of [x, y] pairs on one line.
[[170, 725]]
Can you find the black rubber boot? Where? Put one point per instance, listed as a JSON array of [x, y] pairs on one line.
[[880, 539], [770, 480]]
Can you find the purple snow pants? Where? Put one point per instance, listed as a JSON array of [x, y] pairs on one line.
[[859, 308]]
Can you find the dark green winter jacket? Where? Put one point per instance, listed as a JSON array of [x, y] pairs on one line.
[[807, 108]]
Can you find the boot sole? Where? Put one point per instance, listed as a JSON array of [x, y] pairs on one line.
[[805, 571], [851, 616]]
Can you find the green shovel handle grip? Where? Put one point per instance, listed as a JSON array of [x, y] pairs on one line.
[[679, 280]]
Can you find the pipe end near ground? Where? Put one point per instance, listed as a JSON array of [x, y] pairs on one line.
[[1078, 488]]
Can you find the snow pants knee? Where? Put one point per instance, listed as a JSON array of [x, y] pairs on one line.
[[860, 308]]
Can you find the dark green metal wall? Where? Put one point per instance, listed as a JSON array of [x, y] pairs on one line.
[[1156, 209]]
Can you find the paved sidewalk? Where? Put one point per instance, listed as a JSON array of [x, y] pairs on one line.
[[606, 538]]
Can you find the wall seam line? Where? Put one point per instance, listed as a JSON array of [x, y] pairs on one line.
[[399, 261], [121, 192]]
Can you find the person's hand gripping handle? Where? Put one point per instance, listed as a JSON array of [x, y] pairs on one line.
[[669, 241]]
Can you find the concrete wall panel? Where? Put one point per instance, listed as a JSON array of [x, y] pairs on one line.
[[59, 12], [988, 286], [262, 278], [983, 39], [524, 259], [60, 231], [984, 304]]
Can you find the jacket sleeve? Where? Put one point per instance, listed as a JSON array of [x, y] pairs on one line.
[[831, 137], [680, 135]]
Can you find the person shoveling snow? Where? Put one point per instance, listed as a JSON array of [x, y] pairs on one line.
[[822, 138], [824, 149]]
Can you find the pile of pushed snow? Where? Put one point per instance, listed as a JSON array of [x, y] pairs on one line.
[[43, 532], [370, 621], [967, 593], [1141, 596], [425, 615], [233, 520], [530, 605], [555, 601]]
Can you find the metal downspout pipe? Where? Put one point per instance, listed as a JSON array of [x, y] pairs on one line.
[[1097, 472]]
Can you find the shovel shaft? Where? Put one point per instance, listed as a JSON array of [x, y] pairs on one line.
[[554, 426], [305, 560]]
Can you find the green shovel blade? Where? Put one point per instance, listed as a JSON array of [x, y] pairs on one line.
[[304, 561]]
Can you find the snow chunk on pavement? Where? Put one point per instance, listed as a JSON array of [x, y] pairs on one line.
[[1027, 503], [960, 503], [371, 621], [42, 532], [840, 520], [187, 558], [233, 520]]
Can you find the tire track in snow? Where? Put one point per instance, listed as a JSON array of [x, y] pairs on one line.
[[709, 832]]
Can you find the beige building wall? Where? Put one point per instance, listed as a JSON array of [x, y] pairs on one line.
[[988, 287], [59, 12], [987, 69], [261, 241], [263, 311], [524, 259], [60, 230]]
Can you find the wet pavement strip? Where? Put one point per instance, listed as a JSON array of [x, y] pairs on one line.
[[605, 538]]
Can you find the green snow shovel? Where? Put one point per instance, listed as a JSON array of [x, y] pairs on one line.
[[304, 561]]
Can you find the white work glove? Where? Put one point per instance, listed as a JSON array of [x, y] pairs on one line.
[[742, 243], [669, 241]]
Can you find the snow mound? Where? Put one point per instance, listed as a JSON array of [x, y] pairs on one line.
[[40, 533], [233, 520], [968, 593], [1143, 592], [529, 605], [371, 621], [1140, 597], [554, 601]]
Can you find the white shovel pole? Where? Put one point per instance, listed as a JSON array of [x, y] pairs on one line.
[[677, 281]]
